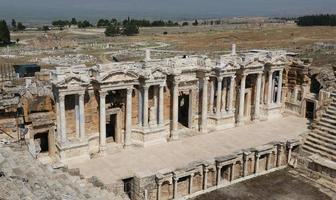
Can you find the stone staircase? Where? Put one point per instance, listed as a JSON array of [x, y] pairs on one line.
[[22, 177], [322, 139]]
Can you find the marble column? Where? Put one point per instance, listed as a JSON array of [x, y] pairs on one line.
[[279, 88], [245, 160], [140, 106], [63, 132], [242, 99], [218, 177], [263, 90], [161, 104], [175, 179], [224, 95], [232, 172], [102, 120], [175, 135], [279, 156], [219, 95], [190, 183], [81, 116], [205, 179], [128, 126], [268, 161], [270, 87], [289, 156], [204, 116], [212, 96], [145, 106], [58, 119], [257, 98], [256, 164], [231, 93], [190, 110], [154, 121], [77, 115], [159, 191]]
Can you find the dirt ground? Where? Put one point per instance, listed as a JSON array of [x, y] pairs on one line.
[[280, 185]]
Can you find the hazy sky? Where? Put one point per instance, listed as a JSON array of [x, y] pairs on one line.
[[156, 9]]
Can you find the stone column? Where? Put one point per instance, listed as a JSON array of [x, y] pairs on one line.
[[156, 106], [159, 191], [145, 106], [190, 183], [63, 132], [128, 126], [102, 120], [175, 179], [175, 111], [205, 178], [279, 88], [245, 160], [219, 95], [77, 115], [140, 106], [224, 95], [204, 106], [270, 88], [190, 110], [230, 101], [242, 99], [268, 161], [256, 164], [81, 117], [279, 157], [212, 96], [161, 104], [218, 175], [257, 98], [289, 153], [263, 90], [232, 172], [58, 118]]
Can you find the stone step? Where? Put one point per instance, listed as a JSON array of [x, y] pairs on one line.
[[325, 134], [322, 150], [322, 137], [329, 116], [326, 129], [332, 108], [323, 143], [328, 125], [312, 150], [329, 121]]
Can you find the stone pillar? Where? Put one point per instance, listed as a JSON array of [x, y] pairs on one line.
[[175, 111], [145, 106], [204, 106], [279, 157], [190, 183], [218, 175], [205, 178], [279, 88], [224, 96], [232, 172], [270, 87], [191, 103], [63, 132], [245, 160], [219, 95], [289, 153], [81, 117], [175, 179], [58, 118], [156, 106], [140, 106], [257, 98], [161, 104], [159, 191], [128, 126], [268, 161], [230, 101], [102, 120], [212, 96], [256, 164], [242, 99], [263, 90], [77, 115]]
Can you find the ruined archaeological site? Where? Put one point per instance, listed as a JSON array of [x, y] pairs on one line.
[[166, 125]]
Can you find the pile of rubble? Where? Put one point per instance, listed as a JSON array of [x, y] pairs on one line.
[[69, 59], [22, 177]]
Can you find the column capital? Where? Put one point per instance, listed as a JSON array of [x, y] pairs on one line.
[[102, 93], [220, 78], [129, 90], [61, 96], [233, 77], [145, 86]]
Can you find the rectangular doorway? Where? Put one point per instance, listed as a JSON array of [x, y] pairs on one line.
[[310, 109], [42, 139], [183, 110], [111, 126]]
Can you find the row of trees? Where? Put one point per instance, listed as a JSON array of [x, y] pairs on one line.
[[17, 26], [317, 20], [114, 29], [73, 21]]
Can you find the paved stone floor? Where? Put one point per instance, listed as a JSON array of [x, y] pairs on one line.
[[171, 155], [279, 185]]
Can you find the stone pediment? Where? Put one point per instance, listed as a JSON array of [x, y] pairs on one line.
[[118, 76], [73, 80]]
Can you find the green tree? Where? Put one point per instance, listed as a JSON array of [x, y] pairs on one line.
[[45, 28], [20, 27], [185, 24], [4, 33], [103, 23], [73, 21], [13, 23], [130, 29], [195, 23], [112, 30]]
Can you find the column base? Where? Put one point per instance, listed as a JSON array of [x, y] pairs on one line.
[[174, 135], [102, 150]]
